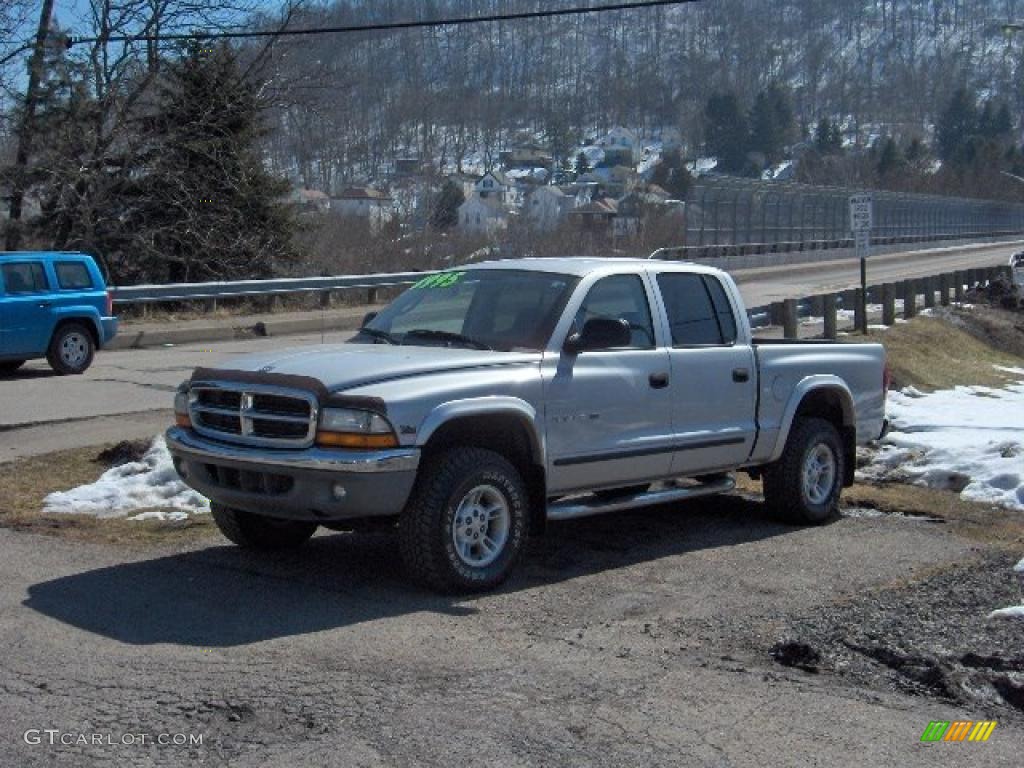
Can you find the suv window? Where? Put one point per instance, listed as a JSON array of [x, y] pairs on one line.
[[73, 275], [698, 310], [24, 277], [620, 297]]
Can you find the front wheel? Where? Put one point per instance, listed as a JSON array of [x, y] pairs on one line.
[[803, 486], [71, 349], [466, 523], [259, 532]]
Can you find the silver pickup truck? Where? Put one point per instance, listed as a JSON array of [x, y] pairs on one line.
[[484, 402]]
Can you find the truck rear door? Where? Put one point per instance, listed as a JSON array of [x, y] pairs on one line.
[[25, 306], [714, 379]]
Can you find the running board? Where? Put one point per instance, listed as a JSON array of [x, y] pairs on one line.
[[590, 505]]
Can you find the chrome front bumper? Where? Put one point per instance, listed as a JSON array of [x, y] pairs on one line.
[[311, 484]]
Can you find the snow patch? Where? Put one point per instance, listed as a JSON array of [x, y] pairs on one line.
[[140, 490], [968, 439]]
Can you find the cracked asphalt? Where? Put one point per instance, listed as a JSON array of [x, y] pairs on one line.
[[642, 638]]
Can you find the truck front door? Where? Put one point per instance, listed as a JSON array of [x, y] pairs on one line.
[[608, 413]]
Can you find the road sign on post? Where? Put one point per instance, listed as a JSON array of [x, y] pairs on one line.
[[862, 219]]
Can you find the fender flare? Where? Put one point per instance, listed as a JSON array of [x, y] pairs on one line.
[[804, 388], [487, 406], [83, 314]]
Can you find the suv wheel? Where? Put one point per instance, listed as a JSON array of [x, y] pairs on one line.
[[466, 523], [259, 532], [804, 485], [71, 349]]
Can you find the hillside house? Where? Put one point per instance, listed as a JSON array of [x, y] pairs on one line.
[[373, 205], [492, 185], [621, 147], [596, 217], [483, 215], [547, 207]]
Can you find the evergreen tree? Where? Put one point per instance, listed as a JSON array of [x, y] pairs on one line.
[[725, 131], [208, 208], [771, 124], [582, 164], [672, 175], [956, 126], [446, 208], [890, 160], [828, 137]]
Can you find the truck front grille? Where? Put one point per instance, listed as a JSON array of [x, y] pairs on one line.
[[253, 414]]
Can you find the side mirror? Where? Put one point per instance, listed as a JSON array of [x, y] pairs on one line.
[[367, 318], [599, 333]]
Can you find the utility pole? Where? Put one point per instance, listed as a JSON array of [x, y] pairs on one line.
[[27, 129]]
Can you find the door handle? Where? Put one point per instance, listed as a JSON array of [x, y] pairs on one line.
[[741, 375], [658, 380], [45, 304]]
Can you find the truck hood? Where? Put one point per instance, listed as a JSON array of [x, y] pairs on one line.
[[345, 366]]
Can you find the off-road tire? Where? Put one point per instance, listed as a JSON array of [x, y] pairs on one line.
[[10, 366], [258, 532], [784, 491], [425, 527], [54, 354]]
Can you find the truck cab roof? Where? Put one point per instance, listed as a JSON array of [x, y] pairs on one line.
[[585, 265]]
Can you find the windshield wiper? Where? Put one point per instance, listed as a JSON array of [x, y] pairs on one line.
[[376, 334], [429, 333]]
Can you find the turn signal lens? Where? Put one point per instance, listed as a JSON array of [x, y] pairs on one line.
[[354, 440]]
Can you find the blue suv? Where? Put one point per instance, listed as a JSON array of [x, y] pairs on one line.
[[53, 305]]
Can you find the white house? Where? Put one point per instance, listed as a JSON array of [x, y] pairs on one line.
[[623, 143], [482, 215], [546, 207], [375, 206], [492, 185]]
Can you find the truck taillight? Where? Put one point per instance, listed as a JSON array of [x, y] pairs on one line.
[[110, 303]]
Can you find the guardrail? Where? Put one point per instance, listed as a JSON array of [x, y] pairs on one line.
[[935, 290], [151, 294], [176, 292]]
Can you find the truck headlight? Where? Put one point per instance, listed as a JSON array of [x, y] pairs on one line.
[[352, 428], [181, 414]]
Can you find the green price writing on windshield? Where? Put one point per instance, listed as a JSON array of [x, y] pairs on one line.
[[440, 280]]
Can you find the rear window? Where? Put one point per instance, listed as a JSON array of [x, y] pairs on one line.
[[73, 275], [698, 310], [24, 277]]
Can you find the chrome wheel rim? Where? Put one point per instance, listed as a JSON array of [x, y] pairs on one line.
[[819, 474], [480, 526], [74, 349]]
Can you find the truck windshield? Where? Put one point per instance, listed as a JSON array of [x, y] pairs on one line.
[[500, 309]]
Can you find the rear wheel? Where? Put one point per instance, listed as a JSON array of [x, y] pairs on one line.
[[804, 485], [10, 366], [71, 349], [466, 523], [259, 532]]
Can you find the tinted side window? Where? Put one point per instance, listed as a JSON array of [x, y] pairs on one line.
[[24, 277], [691, 314], [73, 275], [726, 318], [620, 297]]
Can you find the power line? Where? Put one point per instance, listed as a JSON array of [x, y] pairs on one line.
[[384, 27]]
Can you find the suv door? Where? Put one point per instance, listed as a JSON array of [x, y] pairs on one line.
[[26, 307], [608, 414], [714, 396]]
